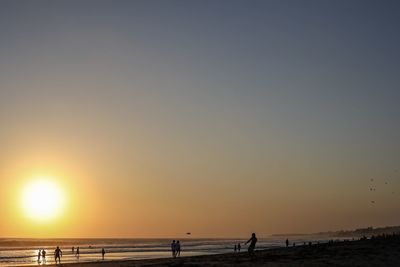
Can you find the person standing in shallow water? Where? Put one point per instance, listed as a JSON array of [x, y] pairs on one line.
[[173, 249], [287, 242], [57, 255], [103, 252], [178, 248], [253, 241], [38, 256], [43, 256], [238, 247]]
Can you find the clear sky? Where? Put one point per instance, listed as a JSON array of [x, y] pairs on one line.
[[220, 118]]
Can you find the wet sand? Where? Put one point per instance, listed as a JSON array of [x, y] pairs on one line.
[[371, 252]]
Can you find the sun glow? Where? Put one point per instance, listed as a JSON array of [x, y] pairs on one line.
[[42, 200]]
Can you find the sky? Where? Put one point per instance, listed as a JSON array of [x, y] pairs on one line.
[[220, 118]]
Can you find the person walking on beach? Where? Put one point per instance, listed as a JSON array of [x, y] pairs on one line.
[[235, 248], [238, 247], [38, 256], [77, 252], [287, 242], [178, 248], [43, 256], [253, 241], [57, 255], [103, 252], [173, 249]]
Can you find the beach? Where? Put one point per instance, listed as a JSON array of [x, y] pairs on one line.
[[381, 251]]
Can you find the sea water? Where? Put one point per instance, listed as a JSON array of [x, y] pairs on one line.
[[24, 252]]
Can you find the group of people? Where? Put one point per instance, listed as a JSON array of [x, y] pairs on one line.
[[175, 248], [237, 247], [41, 255], [253, 241], [77, 253], [41, 258]]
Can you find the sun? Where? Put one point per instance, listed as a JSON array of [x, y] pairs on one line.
[[42, 200]]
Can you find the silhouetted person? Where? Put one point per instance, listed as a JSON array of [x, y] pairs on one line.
[[287, 242], [38, 256], [77, 252], [173, 249], [103, 252], [294, 244], [239, 247], [57, 255], [178, 248], [43, 256], [253, 241], [73, 250], [235, 248]]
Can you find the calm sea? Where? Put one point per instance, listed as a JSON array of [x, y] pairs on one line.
[[19, 252]]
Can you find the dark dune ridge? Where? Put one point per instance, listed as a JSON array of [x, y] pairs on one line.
[[378, 251]]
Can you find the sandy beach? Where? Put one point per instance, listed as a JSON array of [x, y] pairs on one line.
[[372, 252]]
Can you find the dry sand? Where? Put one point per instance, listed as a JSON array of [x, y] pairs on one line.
[[374, 252]]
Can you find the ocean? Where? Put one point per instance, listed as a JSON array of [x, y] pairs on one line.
[[23, 252]]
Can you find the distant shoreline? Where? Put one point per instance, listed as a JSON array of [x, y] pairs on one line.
[[359, 232], [378, 251]]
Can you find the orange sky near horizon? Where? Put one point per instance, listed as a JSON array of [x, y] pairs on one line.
[[130, 200]]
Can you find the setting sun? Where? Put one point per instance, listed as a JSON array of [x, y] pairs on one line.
[[42, 200]]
